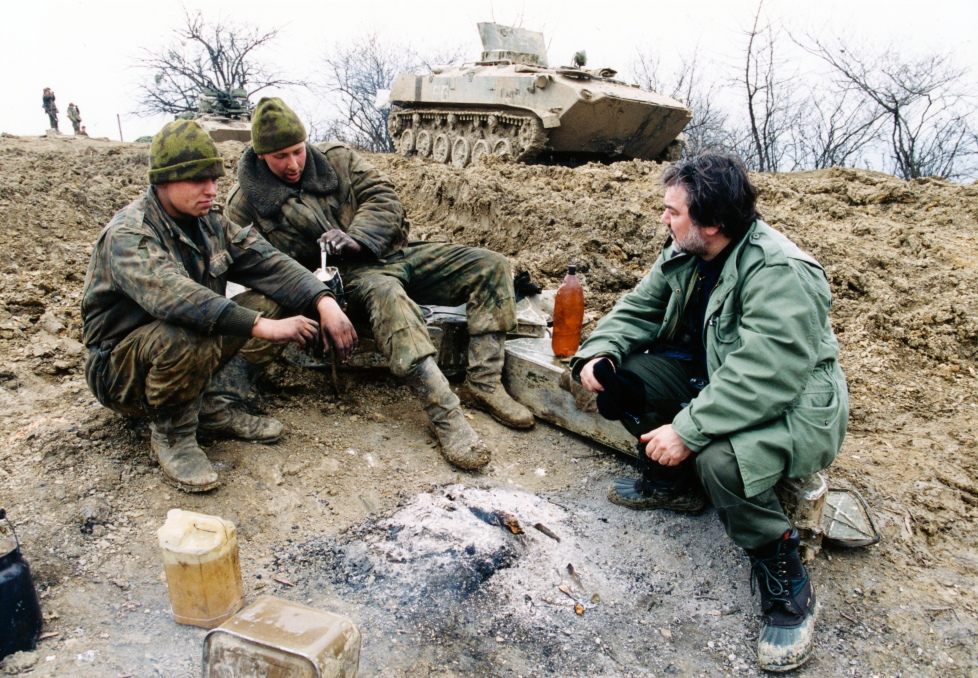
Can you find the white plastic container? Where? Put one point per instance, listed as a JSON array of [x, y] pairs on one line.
[[203, 573]]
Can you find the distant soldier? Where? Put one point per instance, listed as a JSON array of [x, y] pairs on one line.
[[75, 116], [83, 132], [50, 108]]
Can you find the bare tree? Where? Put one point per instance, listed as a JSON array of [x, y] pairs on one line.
[[772, 109], [927, 104], [833, 128], [357, 75], [219, 56], [708, 130]]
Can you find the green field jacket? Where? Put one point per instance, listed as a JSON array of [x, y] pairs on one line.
[[775, 386], [145, 268], [338, 189]]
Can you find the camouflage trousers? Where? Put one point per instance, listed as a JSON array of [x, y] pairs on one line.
[[387, 294], [162, 365]]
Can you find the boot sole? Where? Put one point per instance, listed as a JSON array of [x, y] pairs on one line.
[[639, 505], [465, 395], [190, 489], [211, 436], [802, 660]]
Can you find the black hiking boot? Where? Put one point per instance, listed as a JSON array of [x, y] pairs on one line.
[[788, 605]]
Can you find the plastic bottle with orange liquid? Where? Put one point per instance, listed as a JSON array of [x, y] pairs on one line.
[[568, 315]]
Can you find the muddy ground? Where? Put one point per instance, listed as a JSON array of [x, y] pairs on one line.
[[321, 515]]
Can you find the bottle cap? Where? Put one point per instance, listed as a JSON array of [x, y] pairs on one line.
[[571, 269]]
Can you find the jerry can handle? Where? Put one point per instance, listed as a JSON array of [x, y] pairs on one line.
[[3, 516]]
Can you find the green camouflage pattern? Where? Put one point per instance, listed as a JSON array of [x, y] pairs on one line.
[[162, 365], [153, 300], [339, 189], [183, 151], [74, 115], [275, 126], [385, 283], [145, 268], [47, 102]]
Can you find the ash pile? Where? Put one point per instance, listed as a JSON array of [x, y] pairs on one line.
[[460, 576]]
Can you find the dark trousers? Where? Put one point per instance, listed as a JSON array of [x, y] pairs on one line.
[[749, 521]]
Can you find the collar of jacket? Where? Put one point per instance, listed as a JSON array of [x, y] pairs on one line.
[[267, 193], [678, 267]]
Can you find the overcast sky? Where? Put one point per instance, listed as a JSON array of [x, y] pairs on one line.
[[84, 49]]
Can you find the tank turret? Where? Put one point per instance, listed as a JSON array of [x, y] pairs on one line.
[[225, 114], [511, 103]]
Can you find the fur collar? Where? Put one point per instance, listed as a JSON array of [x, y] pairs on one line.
[[267, 193]]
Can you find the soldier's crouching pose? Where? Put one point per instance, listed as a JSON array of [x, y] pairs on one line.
[[163, 337], [724, 364], [299, 195]]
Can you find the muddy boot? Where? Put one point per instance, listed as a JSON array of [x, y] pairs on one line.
[[788, 606], [673, 488], [483, 387], [223, 413], [174, 441], [459, 443]]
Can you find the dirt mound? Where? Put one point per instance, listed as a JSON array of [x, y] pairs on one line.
[[86, 497]]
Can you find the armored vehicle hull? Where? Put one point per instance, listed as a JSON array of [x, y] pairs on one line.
[[520, 109]]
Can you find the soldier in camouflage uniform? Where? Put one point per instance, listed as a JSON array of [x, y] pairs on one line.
[[299, 195], [163, 337], [47, 102], [75, 116]]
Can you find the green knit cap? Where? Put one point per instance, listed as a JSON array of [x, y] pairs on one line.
[[275, 126], [182, 150]]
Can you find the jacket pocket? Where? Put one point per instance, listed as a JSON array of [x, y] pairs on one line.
[[220, 261], [817, 425], [726, 328]]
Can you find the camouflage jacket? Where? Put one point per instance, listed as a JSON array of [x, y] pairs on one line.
[[338, 189], [73, 113], [145, 268]]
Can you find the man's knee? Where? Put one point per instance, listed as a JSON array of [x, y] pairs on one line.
[[268, 307], [177, 363], [716, 466]]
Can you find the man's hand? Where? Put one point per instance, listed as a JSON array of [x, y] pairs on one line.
[[299, 329], [336, 328], [338, 242], [587, 376], [665, 446]]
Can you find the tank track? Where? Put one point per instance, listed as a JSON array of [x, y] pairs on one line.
[[460, 137]]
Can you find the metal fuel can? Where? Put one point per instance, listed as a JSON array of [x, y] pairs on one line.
[[275, 637]]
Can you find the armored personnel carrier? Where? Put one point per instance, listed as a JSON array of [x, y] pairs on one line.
[[512, 104], [225, 114]]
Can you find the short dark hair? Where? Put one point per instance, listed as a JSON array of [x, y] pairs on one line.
[[718, 191]]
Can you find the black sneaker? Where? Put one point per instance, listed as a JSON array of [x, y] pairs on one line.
[[788, 605]]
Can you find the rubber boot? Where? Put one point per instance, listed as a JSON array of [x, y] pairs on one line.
[[483, 387], [460, 445], [174, 442], [674, 488], [223, 413], [788, 605]]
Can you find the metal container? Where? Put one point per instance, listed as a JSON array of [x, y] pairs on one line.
[[540, 381], [20, 613], [273, 638], [203, 573]]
